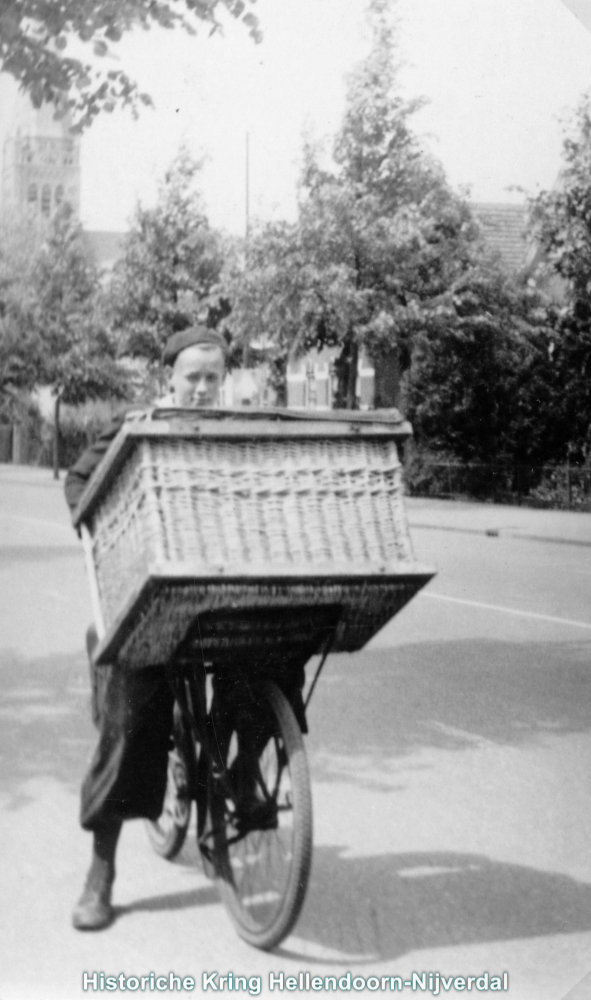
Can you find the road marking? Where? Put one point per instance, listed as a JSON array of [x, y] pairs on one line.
[[507, 611], [37, 520]]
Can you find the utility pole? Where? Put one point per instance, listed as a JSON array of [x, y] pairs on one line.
[[247, 187], [245, 346]]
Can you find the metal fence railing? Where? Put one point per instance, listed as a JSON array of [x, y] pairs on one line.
[[563, 487]]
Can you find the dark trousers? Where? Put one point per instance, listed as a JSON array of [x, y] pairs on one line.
[[134, 713], [127, 774]]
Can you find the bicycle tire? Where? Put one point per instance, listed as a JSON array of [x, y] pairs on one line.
[[264, 874], [167, 833]]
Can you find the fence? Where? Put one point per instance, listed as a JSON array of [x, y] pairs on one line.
[[563, 487]]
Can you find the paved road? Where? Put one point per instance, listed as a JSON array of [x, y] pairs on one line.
[[451, 765]]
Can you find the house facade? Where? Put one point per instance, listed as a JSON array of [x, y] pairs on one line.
[[311, 381]]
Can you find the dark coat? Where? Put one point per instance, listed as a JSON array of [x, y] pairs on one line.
[[78, 476]]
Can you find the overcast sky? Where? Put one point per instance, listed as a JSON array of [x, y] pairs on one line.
[[497, 74]]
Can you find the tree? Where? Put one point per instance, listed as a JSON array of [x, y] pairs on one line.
[[378, 241], [384, 257], [561, 224], [20, 347], [35, 34], [480, 384], [266, 289], [170, 264], [77, 354]]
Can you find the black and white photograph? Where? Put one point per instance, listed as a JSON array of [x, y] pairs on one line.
[[295, 498]]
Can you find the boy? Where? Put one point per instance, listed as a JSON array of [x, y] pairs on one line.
[[127, 775]]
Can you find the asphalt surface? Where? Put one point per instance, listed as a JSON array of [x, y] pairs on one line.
[[450, 762]]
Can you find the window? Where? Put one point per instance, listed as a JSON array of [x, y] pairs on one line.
[[32, 195], [46, 200], [59, 195]]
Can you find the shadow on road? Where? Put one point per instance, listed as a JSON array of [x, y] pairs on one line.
[[388, 905], [452, 695], [45, 727], [174, 901], [375, 705], [378, 704]]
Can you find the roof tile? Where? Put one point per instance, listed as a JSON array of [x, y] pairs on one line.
[[503, 227]]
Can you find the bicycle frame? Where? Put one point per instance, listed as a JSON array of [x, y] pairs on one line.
[[198, 728]]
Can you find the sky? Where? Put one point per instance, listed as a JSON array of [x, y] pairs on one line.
[[497, 75]]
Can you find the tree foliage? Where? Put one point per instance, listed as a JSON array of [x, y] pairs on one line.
[[561, 224], [171, 261], [52, 325], [508, 375], [480, 383], [384, 257], [35, 35], [378, 242], [20, 348], [561, 218], [77, 355]]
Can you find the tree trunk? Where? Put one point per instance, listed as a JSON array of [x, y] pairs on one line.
[[56, 438], [387, 379], [352, 377], [346, 373]]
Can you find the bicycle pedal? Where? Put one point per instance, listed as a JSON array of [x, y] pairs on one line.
[[258, 816]]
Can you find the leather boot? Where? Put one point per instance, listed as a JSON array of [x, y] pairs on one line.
[[93, 910]]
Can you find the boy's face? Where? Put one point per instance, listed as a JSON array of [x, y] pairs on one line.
[[197, 375]]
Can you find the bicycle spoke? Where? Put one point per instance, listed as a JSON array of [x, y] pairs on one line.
[[263, 843], [260, 864]]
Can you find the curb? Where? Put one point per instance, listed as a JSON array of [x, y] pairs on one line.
[[500, 533]]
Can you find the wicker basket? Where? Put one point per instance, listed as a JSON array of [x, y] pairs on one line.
[[262, 535]]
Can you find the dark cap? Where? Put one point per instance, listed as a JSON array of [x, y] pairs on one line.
[[188, 338]]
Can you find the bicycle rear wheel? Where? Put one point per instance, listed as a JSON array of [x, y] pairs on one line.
[[263, 862]]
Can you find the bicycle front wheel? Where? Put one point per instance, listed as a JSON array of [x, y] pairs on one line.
[[167, 833], [263, 860]]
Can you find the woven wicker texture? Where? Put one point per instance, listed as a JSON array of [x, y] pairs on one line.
[[256, 506], [253, 633]]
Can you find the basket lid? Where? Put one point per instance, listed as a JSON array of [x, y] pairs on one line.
[[262, 417]]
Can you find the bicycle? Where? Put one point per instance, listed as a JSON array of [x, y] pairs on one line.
[[250, 782], [234, 547]]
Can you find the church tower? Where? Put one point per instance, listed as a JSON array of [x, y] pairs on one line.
[[40, 163]]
